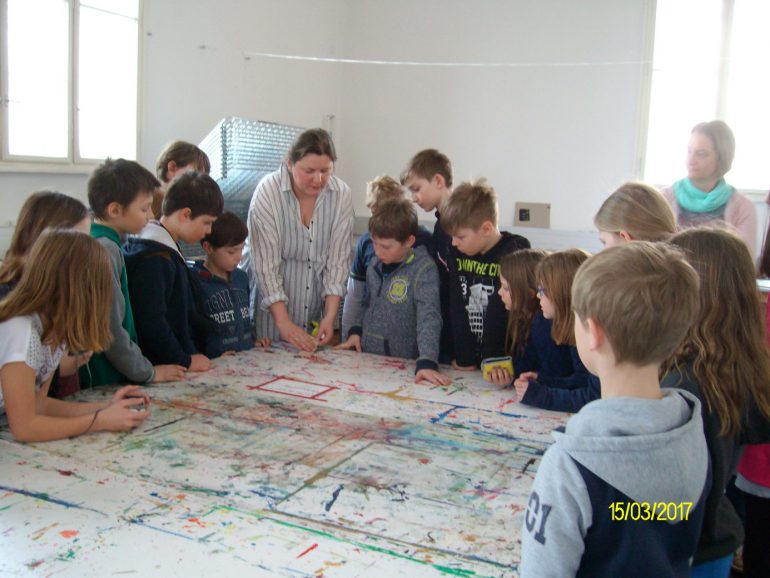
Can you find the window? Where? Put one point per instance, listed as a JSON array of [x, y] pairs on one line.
[[69, 83], [710, 61]]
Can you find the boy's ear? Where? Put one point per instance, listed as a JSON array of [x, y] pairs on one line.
[[596, 335], [185, 214], [410, 241], [207, 247], [114, 210], [171, 169], [438, 181], [487, 227], [625, 236]]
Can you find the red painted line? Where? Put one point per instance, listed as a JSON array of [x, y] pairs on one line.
[[313, 547]]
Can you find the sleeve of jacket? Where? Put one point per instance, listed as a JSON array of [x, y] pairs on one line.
[[265, 244], [495, 328], [123, 354], [428, 316], [466, 349], [560, 399], [353, 307], [556, 520], [150, 283], [338, 260], [580, 376]]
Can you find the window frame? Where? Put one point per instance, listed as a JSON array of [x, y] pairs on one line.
[[720, 97], [73, 163]]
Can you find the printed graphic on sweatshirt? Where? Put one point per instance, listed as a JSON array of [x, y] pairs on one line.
[[223, 310], [477, 282], [398, 290]]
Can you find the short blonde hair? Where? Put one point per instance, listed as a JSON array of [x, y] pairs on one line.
[[638, 209], [382, 189], [643, 295], [554, 275], [469, 206]]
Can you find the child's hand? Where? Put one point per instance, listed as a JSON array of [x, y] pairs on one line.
[[119, 416], [432, 376], [129, 391], [297, 337], [200, 363], [262, 342], [521, 386], [462, 367], [500, 376], [353, 342], [529, 375], [325, 331], [228, 353], [165, 373]]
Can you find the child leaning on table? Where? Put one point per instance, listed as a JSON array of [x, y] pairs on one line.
[[225, 288], [622, 491], [400, 314], [120, 193], [62, 302]]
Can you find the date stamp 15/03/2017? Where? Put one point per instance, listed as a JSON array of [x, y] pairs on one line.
[[650, 511]]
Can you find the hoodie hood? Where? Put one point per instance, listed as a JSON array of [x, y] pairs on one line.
[[156, 232], [651, 450]]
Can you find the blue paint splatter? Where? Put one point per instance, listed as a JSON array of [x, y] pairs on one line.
[[335, 495], [49, 499]]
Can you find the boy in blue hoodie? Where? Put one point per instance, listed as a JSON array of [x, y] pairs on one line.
[[622, 491], [159, 281], [225, 288]]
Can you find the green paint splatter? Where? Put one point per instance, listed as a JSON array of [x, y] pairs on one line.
[[69, 556]]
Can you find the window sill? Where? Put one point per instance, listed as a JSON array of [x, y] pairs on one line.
[[63, 168]]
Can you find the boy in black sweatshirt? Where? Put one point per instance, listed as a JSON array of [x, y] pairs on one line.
[[478, 317], [159, 282]]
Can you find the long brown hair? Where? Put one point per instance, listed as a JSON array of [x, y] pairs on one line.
[[726, 344], [67, 282], [518, 270], [555, 274], [41, 210]]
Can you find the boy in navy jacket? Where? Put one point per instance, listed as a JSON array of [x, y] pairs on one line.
[[159, 281], [225, 288]]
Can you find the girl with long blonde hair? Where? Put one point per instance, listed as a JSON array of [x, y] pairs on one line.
[[61, 304], [724, 360]]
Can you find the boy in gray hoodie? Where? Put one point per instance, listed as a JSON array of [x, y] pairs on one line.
[[401, 313], [622, 491]]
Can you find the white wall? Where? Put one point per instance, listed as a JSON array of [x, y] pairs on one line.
[[543, 133], [195, 67], [559, 134]]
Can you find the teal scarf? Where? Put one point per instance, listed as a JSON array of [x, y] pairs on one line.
[[692, 199]]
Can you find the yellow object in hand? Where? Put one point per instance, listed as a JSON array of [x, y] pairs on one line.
[[491, 363]]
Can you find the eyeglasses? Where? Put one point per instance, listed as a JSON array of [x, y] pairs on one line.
[[540, 291]]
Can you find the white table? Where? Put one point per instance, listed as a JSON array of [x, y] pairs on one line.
[[287, 464]]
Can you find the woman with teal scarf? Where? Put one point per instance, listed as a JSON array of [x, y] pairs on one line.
[[703, 197]]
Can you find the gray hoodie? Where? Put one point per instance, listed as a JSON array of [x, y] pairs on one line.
[[620, 450], [401, 314]]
